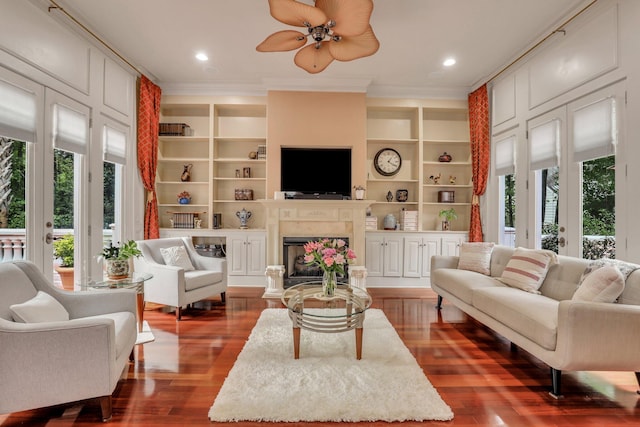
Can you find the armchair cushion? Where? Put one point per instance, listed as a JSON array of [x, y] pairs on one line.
[[41, 308], [177, 256], [200, 278]]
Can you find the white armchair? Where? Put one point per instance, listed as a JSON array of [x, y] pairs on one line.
[[51, 360], [173, 285]]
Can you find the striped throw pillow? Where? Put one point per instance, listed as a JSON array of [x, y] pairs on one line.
[[527, 269], [476, 257]]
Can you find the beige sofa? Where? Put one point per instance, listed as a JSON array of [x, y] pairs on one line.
[[564, 334]]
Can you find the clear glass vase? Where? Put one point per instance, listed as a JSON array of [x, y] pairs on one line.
[[329, 283]]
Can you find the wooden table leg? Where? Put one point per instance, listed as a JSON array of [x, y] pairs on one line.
[[140, 310], [296, 343], [359, 342]]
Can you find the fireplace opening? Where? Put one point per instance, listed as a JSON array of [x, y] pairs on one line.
[[295, 269]]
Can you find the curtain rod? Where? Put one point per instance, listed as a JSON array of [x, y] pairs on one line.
[[559, 29], [95, 36]]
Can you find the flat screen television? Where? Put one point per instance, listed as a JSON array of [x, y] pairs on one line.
[[320, 171]]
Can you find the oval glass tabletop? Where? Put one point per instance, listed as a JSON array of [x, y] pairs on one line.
[[347, 300]]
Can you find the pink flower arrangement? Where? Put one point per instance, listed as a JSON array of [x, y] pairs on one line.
[[328, 254]]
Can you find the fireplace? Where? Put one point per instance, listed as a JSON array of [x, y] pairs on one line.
[[295, 269]]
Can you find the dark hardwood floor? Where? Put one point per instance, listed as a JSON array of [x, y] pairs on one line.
[[175, 379]]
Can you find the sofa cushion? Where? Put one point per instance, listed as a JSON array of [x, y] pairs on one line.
[[41, 308], [603, 285], [625, 268], [476, 257], [461, 283], [177, 256], [125, 326], [533, 316], [527, 269], [199, 278]]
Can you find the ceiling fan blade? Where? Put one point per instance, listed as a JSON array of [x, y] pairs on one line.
[[282, 41], [294, 13], [314, 60], [350, 48], [351, 16]]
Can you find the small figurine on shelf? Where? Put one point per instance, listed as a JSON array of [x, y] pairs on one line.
[[452, 179], [436, 179], [445, 158], [186, 173], [389, 196], [184, 198]]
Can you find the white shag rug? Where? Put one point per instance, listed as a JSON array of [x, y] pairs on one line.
[[327, 383]]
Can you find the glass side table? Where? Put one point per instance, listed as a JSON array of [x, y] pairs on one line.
[[310, 310], [135, 281]]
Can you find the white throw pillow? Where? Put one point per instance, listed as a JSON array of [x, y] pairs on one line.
[[476, 257], [527, 269], [177, 256], [603, 285], [41, 308]]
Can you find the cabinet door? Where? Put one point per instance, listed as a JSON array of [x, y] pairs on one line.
[[256, 255], [393, 256], [374, 247], [412, 256], [451, 246], [430, 247], [236, 255]]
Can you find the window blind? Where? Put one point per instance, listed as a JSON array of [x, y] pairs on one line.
[[594, 130], [115, 145], [505, 156], [17, 112], [544, 145], [70, 129]]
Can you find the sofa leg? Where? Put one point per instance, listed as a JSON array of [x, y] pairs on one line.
[[556, 383], [178, 313], [638, 379], [439, 303], [223, 297], [106, 408], [513, 348]]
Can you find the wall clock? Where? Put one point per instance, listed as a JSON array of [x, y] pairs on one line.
[[387, 162]]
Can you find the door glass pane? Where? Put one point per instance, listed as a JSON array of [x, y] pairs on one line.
[[109, 200], [13, 185], [549, 187], [598, 204], [508, 196], [63, 216]]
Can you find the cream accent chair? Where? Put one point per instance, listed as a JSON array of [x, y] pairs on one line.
[[54, 362], [173, 286]]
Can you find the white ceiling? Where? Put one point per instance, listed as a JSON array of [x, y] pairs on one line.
[[161, 37]]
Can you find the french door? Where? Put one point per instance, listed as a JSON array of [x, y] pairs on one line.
[[572, 179]]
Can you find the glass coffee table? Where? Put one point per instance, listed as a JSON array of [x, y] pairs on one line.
[[135, 281], [310, 310]]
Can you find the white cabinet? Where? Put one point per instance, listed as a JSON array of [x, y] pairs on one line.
[[384, 255], [246, 254], [403, 259]]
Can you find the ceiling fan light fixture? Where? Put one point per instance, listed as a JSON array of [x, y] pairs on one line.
[[339, 29]]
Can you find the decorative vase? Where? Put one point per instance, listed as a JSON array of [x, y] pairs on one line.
[[445, 158], [329, 283], [446, 226], [184, 201], [117, 268], [359, 194], [243, 216], [389, 196], [186, 173]]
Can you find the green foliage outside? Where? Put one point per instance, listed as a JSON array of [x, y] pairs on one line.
[[63, 249]]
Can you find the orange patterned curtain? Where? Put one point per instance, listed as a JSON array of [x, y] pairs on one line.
[[480, 146], [148, 129]]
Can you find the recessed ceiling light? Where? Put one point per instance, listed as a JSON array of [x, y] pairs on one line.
[[202, 57], [449, 62]]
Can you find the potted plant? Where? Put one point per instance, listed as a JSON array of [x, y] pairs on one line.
[[63, 250], [447, 215], [117, 258]]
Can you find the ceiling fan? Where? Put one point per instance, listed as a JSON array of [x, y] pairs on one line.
[[338, 29]]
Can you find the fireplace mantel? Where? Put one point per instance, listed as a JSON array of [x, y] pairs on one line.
[[318, 218]]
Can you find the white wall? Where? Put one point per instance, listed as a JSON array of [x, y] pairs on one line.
[[598, 49]]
